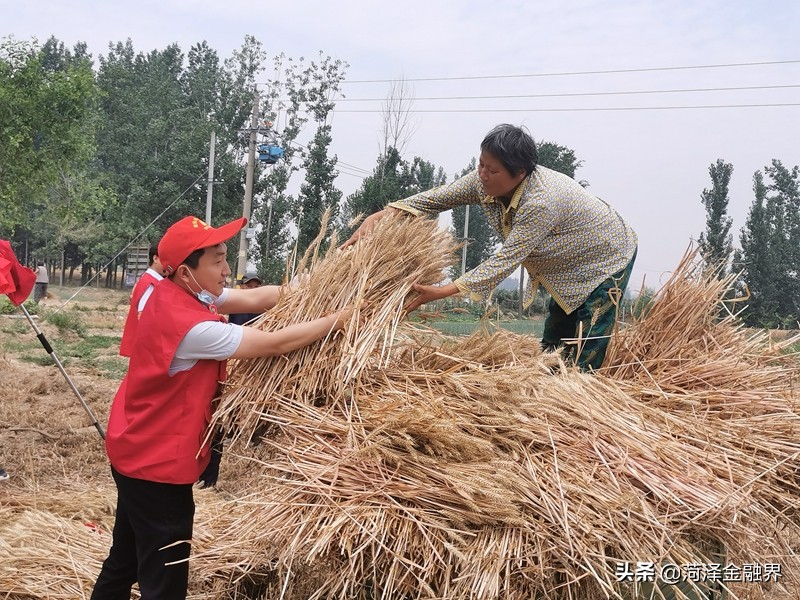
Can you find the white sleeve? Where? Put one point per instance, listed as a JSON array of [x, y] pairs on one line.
[[210, 340], [222, 297], [145, 297]]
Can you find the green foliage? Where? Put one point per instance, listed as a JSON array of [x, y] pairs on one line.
[[770, 251], [508, 301], [8, 308], [716, 241], [86, 348], [393, 178], [158, 111], [640, 305], [48, 98], [318, 193], [114, 367], [272, 206], [67, 321], [96, 157], [558, 158], [42, 359], [15, 327]]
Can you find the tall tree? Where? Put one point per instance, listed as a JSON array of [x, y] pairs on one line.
[[559, 158], [769, 255], [318, 192], [284, 119], [398, 123], [392, 179], [158, 113], [783, 209], [755, 260], [376, 190], [74, 218], [716, 241], [46, 123]]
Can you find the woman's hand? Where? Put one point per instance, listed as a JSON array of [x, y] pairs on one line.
[[367, 225], [429, 293]]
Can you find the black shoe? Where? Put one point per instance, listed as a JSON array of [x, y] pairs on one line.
[[3, 474]]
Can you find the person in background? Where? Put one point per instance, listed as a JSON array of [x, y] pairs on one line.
[[159, 420], [139, 296], [572, 243], [210, 476], [250, 281], [42, 281]]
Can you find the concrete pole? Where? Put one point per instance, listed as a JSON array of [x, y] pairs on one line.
[[466, 242], [269, 225], [248, 191], [210, 181]]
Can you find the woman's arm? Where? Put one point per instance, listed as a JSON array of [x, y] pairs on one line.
[[429, 293]]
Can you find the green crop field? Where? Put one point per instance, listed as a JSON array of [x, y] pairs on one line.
[[469, 327]]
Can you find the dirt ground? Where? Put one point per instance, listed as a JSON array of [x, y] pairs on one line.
[[59, 474], [54, 455], [46, 436]]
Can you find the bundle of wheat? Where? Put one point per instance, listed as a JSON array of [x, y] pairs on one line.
[[375, 278], [392, 461], [418, 467]]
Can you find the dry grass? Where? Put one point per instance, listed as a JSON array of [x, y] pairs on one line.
[[389, 461]]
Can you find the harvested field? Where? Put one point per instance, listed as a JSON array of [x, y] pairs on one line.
[[390, 461]]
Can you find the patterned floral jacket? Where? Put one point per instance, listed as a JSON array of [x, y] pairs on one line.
[[568, 239]]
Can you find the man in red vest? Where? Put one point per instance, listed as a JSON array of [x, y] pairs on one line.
[[139, 297], [161, 412]]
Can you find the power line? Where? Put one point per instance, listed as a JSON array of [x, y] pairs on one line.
[[575, 94], [136, 237], [611, 108], [356, 175], [338, 162], [571, 73]]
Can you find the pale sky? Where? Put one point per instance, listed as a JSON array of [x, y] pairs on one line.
[[651, 165]]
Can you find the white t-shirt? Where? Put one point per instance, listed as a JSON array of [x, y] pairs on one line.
[[146, 296], [208, 340]]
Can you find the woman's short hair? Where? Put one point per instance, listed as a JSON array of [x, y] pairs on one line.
[[513, 146]]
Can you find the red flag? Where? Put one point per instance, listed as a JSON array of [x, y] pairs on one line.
[[16, 281]]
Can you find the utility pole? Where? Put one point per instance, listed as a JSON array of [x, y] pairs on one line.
[[248, 191], [269, 225], [210, 180], [521, 288], [466, 241]]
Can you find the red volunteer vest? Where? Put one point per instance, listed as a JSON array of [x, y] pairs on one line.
[[158, 423], [129, 333]]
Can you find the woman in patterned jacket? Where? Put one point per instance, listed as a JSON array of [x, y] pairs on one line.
[[571, 243]]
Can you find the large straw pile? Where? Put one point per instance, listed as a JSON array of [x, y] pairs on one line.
[[389, 461], [396, 464]]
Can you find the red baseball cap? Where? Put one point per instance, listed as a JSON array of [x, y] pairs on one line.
[[190, 234]]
